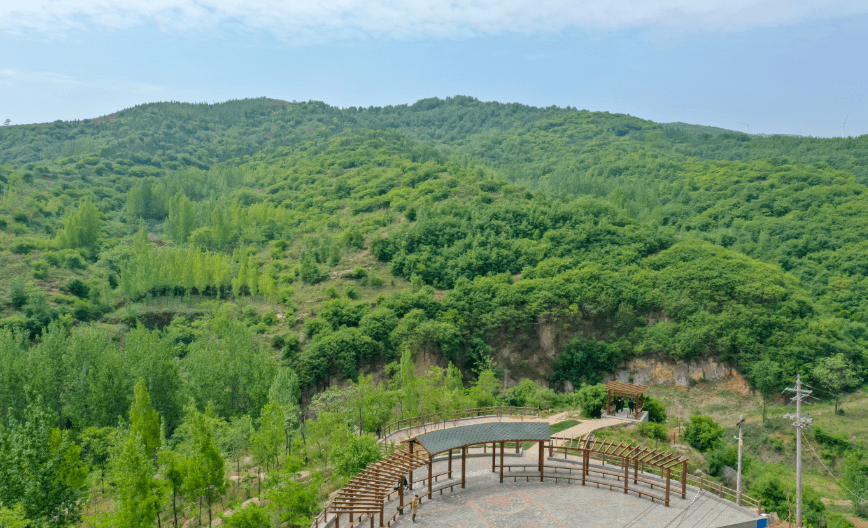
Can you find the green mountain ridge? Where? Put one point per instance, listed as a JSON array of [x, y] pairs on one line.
[[252, 256]]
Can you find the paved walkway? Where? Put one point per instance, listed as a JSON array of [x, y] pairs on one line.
[[486, 503]]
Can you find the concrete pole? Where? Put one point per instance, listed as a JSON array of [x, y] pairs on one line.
[[798, 451], [738, 478]]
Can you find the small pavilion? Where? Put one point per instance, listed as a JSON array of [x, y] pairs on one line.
[[615, 389], [369, 491]]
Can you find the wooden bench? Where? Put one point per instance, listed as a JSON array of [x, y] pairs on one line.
[[638, 478], [434, 475], [588, 478]]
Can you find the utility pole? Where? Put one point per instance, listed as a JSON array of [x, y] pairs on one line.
[[800, 424], [738, 478]]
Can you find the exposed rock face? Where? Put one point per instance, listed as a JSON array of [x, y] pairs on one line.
[[531, 353], [655, 371]]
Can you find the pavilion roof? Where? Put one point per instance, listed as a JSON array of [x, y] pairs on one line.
[[628, 388]]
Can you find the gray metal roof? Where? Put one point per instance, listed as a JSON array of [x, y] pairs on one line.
[[446, 439]]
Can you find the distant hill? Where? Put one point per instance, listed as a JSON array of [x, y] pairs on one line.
[[469, 221]]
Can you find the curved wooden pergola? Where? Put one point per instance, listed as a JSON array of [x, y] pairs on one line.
[[369, 491], [616, 389]]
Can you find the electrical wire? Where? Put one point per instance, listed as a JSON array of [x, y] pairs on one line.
[[641, 514], [708, 513], [684, 515], [811, 447], [716, 516]]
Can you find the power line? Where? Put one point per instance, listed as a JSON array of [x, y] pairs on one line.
[[641, 514], [716, 516], [708, 513], [811, 447], [684, 514]]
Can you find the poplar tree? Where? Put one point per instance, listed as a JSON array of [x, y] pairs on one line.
[[182, 218], [206, 475], [175, 468], [82, 229], [253, 276], [241, 277], [139, 493], [144, 420], [40, 467], [221, 228]]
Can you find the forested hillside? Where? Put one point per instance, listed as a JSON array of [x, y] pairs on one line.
[[206, 275]]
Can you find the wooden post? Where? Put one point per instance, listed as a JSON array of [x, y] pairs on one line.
[[372, 520], [401, 496], [430, 473], [463, 464], [338, 520], [608, 402], [541, 454], [501, 462], [493, 453], [411, 471], [684, 480], [668, 476], [551, 447], [584, 464], [450, 463], [635, 469], [626, 473]]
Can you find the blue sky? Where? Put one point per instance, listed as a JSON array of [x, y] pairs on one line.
[[778, 66]]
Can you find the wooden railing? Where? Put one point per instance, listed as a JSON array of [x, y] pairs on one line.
[[570, 447], [437, 419], [725, 493]]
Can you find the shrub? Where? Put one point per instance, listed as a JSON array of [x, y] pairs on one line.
[[309, 272], [653, 430], [317, 326], [249, 517], [656, 411], [332, 292], [702, 432], [591, 399], [726, 456], [355, 454], [78, 288], [83, 311], [64, 299], [40, 269], [377, 281], [359, 273], [352, 292], [270, 318], [291, 344], [18, 295]]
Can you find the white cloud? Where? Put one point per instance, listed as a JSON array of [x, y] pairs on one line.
[[9, 76], [304, 22]]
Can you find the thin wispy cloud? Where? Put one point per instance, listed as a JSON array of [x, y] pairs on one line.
[[11, 76], [316, 22]]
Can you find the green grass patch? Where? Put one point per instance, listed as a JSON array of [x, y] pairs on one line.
[[563, 426]]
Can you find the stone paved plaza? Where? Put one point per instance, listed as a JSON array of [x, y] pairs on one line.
[[485, 503]]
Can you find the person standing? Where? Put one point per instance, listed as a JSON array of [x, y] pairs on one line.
[[414, 506]]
